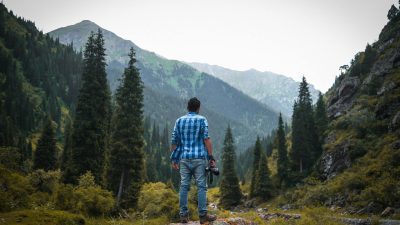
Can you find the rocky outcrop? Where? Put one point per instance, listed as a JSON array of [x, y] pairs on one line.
[[386, 63], [335, 161], [342, 100]]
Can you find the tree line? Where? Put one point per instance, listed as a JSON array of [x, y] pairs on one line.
[[305, 136]]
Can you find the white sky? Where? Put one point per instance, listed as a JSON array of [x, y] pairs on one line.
[[290, 37]]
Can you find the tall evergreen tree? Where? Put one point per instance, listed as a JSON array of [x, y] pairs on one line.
[[321, 118], [305, 142], [256, 161], [92, 118], [45, 154], [229, 186], [125, 172], [283, 162], [263, 185]]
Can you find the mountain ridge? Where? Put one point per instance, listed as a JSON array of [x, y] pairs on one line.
[[275, 90]]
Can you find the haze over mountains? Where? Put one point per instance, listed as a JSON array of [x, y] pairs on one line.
[[169, 83], [275, 90]]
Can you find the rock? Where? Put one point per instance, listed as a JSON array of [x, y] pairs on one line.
[[337, 201], [250, 203], [239, 221], [269, 216], [387, 87], [287, 207], [348, 87], [227, 221], [396, 145], [387, 212], [213, 206], [189, 223], [335, 161], [260, 210], [353, 221], [372, 207], [342, 100], [385, 64], [395, 124]]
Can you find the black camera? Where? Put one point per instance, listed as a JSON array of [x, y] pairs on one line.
[[214, 170], [211, 170]]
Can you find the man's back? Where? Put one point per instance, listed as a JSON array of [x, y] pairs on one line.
[[189, 134]]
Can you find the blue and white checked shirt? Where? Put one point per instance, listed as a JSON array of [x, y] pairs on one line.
[[189, 134]]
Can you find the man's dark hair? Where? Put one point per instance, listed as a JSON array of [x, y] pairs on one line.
[[193, 105]]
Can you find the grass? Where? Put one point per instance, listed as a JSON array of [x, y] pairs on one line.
[[37, 217]]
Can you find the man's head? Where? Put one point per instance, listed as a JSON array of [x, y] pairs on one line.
[[193, 105]]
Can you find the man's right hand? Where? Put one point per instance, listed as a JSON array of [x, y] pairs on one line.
[[175, 166], [213, 163]]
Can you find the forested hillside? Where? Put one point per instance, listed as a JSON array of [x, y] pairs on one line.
[[39, 78]]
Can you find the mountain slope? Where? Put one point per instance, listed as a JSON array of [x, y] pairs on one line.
[[39, 77], [360, 166], [277, 91], [176, 79]]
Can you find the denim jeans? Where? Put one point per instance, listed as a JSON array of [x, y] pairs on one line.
[[197, 169]]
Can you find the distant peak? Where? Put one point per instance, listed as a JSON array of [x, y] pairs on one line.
[[86, 23]]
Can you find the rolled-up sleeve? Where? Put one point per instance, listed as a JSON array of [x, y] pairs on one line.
[[204, 129], [175, 134]]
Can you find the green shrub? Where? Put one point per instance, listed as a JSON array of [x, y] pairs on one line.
[[64, 197], [10, 158], [93, 201], [87, 198], [45, 181], [14, 190], [157, 199]]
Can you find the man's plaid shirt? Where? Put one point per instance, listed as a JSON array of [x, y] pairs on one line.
[[189, 134]]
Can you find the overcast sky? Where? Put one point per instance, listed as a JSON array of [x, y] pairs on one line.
[[291, 37]]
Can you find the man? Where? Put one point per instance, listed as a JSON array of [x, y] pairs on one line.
[[191, 147]]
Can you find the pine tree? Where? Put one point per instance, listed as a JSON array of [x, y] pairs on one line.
[[321, 118], [125, 172], [393, 12], [229, 186], [263, 185], [305, 143], [283, 162], [89, 139], [45, 154], [256, 161]]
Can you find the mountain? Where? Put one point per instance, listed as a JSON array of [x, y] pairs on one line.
[[275, 90], [360, 166], [177, 80]]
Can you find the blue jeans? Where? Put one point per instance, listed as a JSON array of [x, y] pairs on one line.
[[187, 169]]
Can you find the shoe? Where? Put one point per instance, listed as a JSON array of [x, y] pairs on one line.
[[207, 218], [184, 219]]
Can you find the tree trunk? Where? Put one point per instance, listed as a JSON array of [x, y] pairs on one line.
[[121, 182], [301, 165]]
